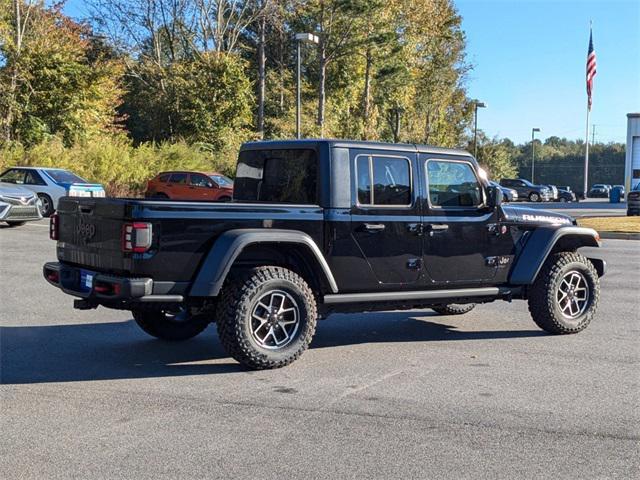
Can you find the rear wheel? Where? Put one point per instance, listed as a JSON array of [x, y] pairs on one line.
[[172, 325], [159, 196], [453, 309], [565, 295], [224, 199], [47, 204], [267, 317]]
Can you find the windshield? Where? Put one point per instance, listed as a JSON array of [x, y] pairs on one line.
[[222, 181], [64, 176], [526, 182]]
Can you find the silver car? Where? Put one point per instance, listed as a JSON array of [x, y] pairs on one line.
[[18, 205]]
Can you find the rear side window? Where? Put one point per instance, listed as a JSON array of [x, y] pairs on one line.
[[383, 181], [32, 177], [452, 184], [277, 176], [180, 178]]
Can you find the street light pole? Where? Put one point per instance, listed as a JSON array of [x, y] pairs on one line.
[[475, 127], [301, 38], [533, 152]]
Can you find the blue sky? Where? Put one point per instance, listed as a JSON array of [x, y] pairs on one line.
[[529, 61]]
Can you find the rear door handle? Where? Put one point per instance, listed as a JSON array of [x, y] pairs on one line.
[[438, 227], [374, 227]]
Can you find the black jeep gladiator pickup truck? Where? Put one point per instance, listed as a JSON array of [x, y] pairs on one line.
[[318, 226]]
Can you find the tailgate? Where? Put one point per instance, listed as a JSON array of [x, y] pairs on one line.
[[90, 233]]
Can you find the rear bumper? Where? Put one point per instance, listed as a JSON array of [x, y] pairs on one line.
[[110, 290]]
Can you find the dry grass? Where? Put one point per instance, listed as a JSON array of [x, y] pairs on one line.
[[612, 224]]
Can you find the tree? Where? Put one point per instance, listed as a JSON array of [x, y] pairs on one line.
[[57, 81]]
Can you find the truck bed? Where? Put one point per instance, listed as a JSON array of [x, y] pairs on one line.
[[91, 232]]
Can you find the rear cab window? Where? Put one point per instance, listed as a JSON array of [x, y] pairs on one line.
[[277, 176]]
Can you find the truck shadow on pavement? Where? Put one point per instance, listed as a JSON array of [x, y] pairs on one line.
[[120, 350]]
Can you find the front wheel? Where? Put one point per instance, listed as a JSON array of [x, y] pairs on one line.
[[453, 309], [172, 325], [534, 197], [565, 295], [267, 317], [15, 224]]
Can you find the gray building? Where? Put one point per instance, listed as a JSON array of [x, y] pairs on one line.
[[632, 159]]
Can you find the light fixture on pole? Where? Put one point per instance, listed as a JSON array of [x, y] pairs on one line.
[[301, 38], [533, 152], [475, 126]]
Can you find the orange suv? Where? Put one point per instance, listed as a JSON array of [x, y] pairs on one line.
[[210, 187]]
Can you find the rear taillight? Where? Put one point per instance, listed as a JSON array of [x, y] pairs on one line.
[[54, 224], [136, 237]]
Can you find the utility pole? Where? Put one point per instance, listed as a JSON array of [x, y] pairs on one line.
[[533, 152], [477, 105], [301, 38]]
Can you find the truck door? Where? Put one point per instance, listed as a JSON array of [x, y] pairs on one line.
[[458, 240], [385, 217]]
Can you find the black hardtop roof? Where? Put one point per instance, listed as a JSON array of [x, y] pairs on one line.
[[315, 142]]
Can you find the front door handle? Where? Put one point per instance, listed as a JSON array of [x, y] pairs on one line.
[[374, 227], [438, 227]]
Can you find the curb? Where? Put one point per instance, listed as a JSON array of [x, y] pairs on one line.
[[619, 236]]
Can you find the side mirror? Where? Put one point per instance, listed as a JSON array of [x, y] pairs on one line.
[[494, 196]]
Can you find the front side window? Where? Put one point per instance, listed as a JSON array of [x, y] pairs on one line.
[[164, 178], [14, 175], [452, 184], [384, 181], [200, 181], [277, 176]]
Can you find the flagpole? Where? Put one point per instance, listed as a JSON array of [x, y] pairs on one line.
[[586, 156]]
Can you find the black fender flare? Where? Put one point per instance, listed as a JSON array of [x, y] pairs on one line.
[[542, 242], [230, 244]]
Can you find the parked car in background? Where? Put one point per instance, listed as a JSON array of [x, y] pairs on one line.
[[566, 196], [622, 191], [51, 184], [508, 194], [527, 190], [18, 205], [211, 187], [633, 201], [599, 190], [554, 192]]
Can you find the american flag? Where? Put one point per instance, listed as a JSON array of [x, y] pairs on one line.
[[591, 68]]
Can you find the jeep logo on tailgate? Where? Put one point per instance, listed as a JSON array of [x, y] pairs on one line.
[[85, 230]]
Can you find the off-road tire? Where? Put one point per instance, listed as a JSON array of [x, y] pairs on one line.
[[158, 324], [454, 309], [240, 295], [543, 306]]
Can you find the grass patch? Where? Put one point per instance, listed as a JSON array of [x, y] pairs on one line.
[[612, 224]]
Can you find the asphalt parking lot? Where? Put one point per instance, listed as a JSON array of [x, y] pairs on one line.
[[381, 395]]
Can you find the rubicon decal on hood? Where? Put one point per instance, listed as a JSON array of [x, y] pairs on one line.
[[545, 218]]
